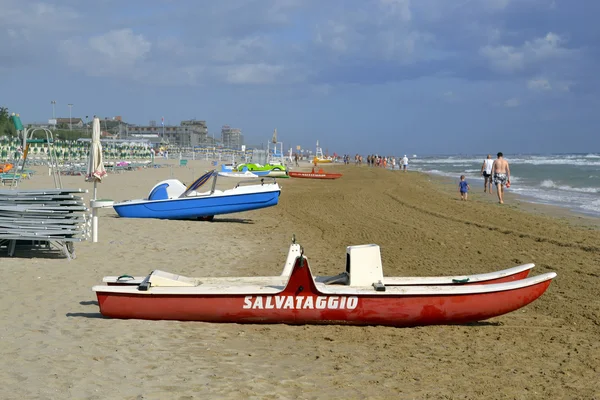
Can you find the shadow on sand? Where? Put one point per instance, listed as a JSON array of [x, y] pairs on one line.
[[216, 219], [482, 323], [233, 220], [93, 315]]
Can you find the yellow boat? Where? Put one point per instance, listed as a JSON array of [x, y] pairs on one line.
[[319, 158]]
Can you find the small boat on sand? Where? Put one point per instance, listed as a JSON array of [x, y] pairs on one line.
[[314, 175], [171, 199], [270, 170], [360, 295]]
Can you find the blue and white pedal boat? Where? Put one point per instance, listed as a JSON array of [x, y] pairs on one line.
[[171, 199]]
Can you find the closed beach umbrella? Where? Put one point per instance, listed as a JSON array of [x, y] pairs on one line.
[[95, 171]]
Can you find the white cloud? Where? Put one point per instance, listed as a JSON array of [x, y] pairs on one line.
[[279, 11], [543, 84], [337, 37], [399, 9], [511, 103], [229, 50], [28, 31], [508, 59], [30, 21], [283, 41], [539, 84], [503, 58], [323, 90], [450, 97], [402, 46], [252, 73], [546, 47], [565, 86], [497, 4], [386, 33], [172, 47], [117, 52]]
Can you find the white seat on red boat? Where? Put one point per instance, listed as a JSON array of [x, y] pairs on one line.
[[161, 278], [363, 264]]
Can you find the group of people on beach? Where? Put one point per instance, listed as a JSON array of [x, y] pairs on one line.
[[375, 160], [493, 171]]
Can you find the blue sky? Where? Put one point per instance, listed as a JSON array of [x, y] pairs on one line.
[[386, 76]]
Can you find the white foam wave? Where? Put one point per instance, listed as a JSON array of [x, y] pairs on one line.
[[449, 160], [551, 161], [473, 174], [549, 184], [582, 202], [592, 206], [548, 192], [576, 160]]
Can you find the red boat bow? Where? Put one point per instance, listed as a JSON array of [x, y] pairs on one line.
[[314, 175]]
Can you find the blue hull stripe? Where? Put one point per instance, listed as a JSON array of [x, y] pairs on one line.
[[194, 207]]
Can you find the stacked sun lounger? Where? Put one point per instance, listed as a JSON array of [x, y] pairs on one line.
[[43, 217]]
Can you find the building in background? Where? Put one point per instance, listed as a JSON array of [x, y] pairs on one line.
[[189, 133], [232, 138], [66, 123], [199, 126]]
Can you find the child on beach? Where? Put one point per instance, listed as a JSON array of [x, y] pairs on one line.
[[464, 187]]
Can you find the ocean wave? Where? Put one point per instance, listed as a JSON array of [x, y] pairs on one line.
[[555, 197], [575, 160], [549, 184], [551, 161], [473, 174], [584, 200], [450, 160], [592, 206]]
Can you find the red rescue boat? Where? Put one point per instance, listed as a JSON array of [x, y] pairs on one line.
[[358, 296], [314, 175]]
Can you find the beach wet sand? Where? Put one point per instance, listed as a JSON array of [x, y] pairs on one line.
[[56, 345]]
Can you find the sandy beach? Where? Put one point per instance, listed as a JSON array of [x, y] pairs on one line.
[[56, 345]]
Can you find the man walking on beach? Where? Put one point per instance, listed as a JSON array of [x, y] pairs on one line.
[[501, 175], [405, 162], [486, 171]]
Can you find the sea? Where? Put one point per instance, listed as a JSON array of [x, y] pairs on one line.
[[566, 180]]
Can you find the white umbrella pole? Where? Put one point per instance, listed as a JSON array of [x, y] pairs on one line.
[[95, 218]]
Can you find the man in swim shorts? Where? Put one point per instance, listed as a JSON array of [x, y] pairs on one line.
[[501, 175]]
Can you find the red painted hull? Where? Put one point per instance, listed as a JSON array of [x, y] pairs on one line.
[[300, 302], [313, 175]]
